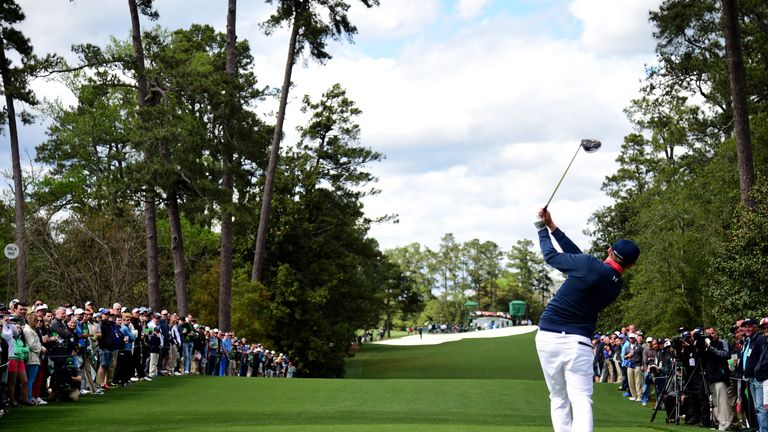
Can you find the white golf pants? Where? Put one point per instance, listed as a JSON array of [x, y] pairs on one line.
[[566, 361]]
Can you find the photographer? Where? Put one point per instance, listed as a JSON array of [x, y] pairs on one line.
[[715, 359], [692, 348]]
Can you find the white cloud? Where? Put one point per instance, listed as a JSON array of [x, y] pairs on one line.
[[478, 124], [394, 18], [471, 8], [615, 26]]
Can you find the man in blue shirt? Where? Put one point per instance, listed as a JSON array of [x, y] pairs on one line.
[[567, 324]]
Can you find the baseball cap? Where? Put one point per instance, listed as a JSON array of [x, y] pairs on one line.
[[632, 335], [41, 307], [627, 250], [135, 310], [748, 321], [764, 321], [103, 311], [79, 311]]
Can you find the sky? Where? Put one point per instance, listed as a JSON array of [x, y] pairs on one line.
[[478, 105]]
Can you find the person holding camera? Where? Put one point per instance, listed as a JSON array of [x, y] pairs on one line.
[[692, 348], [715, 359]]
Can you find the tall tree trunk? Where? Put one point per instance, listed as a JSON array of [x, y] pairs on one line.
[[18, 184], [266, 203], [150, 210], [225, 270], [177, 251], [735, 56]]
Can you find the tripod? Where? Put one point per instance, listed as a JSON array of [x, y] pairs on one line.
[[707, 392], [674, 387]]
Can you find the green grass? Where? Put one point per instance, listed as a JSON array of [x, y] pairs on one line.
[[471, 385], [495, 358]]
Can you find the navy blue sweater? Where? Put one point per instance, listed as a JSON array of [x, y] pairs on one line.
[[590, 287]]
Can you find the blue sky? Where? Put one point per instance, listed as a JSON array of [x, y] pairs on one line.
[[477, 104]]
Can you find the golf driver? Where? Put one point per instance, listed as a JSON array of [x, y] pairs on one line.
[[589, 146]]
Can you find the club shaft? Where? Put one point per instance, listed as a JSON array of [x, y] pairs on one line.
[[563, 176]]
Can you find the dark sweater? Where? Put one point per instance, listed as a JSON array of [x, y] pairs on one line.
[[756, 345], [590, 287]]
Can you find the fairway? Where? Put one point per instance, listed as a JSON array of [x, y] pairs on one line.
[[469, 385]]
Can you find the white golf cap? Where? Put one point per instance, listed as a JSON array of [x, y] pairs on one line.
[[79, 311], [41, 307], [632, 335]]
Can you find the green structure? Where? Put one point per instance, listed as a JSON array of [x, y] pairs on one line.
[[469, 307], [517, 309]]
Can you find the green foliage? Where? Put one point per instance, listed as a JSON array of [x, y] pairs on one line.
[[677, 185], [203, 286], [250, 301], [84, 257], [15, 79], [739, 286], [318, 21], [325, 278]]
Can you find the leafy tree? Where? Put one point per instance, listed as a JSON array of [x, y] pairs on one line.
[[225, 275], [449, 266], [329, 275], [740, 283], [84, 257], [144, 100], [484, 269], [677, 184], [528, 270], [15, 88], [414, 264], [308, 30]]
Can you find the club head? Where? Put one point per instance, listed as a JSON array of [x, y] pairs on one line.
[[590, 145]]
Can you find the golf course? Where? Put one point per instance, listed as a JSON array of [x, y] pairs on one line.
[[476, 384]]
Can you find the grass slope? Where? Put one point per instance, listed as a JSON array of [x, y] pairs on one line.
[[500, 389], [494, 358]]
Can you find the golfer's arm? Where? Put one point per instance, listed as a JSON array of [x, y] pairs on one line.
[[565, 262], [565, 243]]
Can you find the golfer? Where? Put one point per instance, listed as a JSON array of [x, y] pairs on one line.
[[563, 341]]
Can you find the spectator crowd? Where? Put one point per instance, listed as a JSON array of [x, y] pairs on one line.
[[697, 376], [58, 354]]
